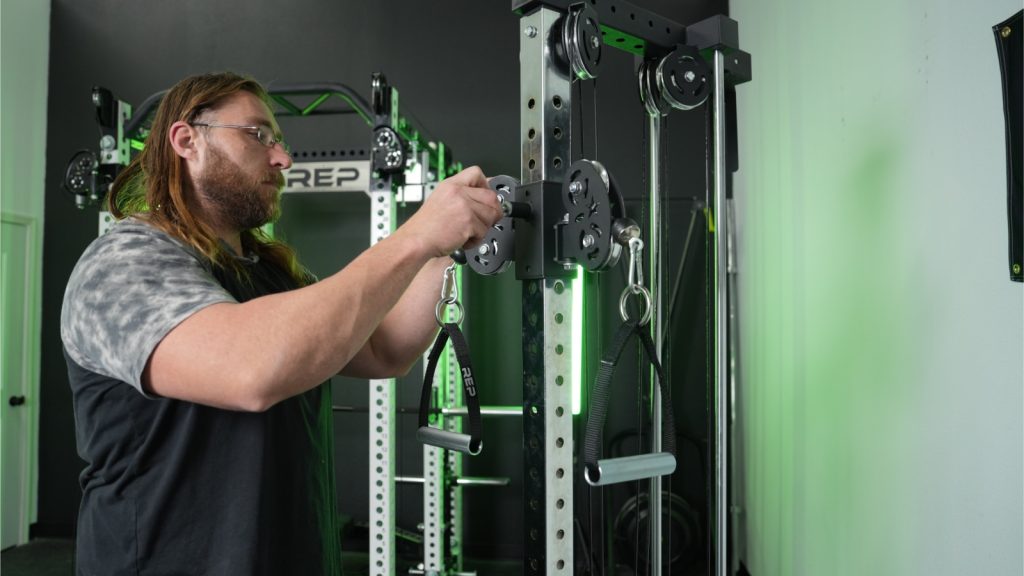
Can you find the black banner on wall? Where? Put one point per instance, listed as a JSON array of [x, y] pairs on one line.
[[1009, 41]]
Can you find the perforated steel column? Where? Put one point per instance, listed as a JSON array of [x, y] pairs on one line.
[[454, 460], [382, 416], [545, 100]]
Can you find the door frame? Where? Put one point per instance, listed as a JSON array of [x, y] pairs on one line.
[[27, 508]]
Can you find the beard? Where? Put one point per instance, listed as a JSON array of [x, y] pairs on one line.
[[237, 199]]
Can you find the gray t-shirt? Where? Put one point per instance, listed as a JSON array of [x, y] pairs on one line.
[[172, 487], [130, 288]]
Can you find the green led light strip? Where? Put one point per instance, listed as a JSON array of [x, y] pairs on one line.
[[577, 340]]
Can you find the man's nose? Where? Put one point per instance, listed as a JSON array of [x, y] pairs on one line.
[[279, 157]]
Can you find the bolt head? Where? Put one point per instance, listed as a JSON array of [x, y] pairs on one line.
[[483, 250], [384, 138], [588, 240], [1005, 32], [689, 76], [530, 31], [576, 187], [595, 43]]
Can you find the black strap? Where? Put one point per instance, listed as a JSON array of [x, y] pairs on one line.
[[451, 331], [600, 395]]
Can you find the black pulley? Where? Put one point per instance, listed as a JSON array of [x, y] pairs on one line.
[[495, 253], [581, 41], [379, 94], [682, 78], [589, 198], [649, 93], [79, 175], [388, 150]]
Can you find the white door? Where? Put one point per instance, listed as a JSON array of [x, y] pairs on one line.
[[17, 404]]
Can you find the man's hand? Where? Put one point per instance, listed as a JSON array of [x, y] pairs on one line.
[[457, 214]]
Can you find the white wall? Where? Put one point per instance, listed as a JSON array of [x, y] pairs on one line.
[[24, 66], [882, 341], [24, 54]]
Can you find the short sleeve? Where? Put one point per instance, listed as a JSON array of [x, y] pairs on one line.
[[129, 289]]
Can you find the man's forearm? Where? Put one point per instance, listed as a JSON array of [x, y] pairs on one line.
[[409, 329], [254, 354]]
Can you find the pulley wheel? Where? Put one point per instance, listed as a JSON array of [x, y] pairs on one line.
[[682, 78], [378, 94], [495, 253], [581, 40], [649, 93], [78, 175], [587, 198], [388, 150]]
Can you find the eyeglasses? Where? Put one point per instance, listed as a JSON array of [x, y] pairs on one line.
[[261, 134]]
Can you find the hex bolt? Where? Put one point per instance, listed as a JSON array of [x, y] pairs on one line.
[[594, 42], [689, 76], [576, 187], [588, 240]]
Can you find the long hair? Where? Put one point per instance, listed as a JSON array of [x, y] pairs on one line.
[[154, 183]]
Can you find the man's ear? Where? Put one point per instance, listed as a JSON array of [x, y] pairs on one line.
[[182, 136]]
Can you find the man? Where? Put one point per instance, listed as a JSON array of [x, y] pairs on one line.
[[198, 349]]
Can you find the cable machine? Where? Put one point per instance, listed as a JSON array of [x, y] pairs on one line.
[[562, 216]]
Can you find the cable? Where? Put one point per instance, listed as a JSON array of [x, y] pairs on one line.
[[594, 107], [578, 98]]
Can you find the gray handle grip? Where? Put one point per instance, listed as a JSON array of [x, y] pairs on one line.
[[625, 469], [450, 440]]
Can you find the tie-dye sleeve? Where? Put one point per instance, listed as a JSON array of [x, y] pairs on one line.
[[129, 289]]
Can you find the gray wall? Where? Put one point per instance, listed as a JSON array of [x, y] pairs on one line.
[[882, 339], [455, 64], [25, 58]]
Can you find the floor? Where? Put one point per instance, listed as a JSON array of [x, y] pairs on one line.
[[55, 557], [40, 557]]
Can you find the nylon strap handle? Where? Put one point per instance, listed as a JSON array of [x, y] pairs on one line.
[[471, 443], [593, 436]]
